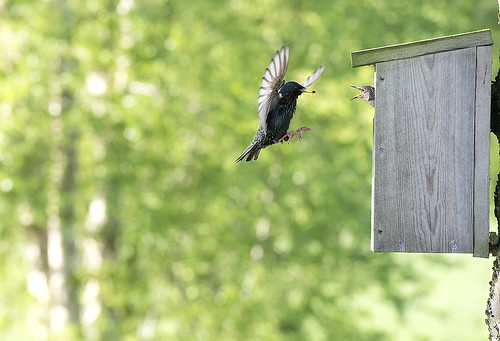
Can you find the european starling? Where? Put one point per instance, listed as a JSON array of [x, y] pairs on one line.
[[277, 102], [366, 93]]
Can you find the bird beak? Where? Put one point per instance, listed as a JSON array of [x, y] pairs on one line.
[[360, 92], [309, 91]]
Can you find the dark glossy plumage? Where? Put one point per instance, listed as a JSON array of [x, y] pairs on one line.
[[277, 102]]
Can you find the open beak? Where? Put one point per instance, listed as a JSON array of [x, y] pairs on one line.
[[360, 92]]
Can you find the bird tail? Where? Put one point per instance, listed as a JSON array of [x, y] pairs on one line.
[[252, 152]]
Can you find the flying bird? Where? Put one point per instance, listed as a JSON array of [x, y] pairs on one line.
[[277, 102], [366, 93]]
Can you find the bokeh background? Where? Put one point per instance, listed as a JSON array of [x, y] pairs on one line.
[[123, 215]]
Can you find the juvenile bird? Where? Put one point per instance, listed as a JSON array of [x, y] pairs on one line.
[[277, 102], [366, 93]]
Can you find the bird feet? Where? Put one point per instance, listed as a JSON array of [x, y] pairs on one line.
[[288, 136]]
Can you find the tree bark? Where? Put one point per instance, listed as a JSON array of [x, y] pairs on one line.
[[493, 305]]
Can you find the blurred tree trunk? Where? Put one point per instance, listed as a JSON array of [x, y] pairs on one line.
[[62, 226], [65, 293], [114, 181], [68, 220]]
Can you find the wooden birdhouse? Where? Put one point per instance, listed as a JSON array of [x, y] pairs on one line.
[[431, 144]]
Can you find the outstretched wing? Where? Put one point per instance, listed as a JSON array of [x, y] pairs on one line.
[[272, 81], [312, 78]]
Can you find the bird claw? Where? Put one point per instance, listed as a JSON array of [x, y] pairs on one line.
[[288, 136]]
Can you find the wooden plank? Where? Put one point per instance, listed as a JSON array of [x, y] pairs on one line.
[[423, 153], [386, 232], [421, 47], [482, 152]]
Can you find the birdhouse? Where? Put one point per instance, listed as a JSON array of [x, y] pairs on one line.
[[431, 144]]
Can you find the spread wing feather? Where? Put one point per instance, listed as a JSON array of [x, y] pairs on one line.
[[273, 80], [312, 78]]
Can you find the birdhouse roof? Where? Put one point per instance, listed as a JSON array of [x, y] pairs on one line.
[[421, 47]]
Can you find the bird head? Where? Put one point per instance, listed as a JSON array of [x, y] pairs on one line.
[[293, 89], [366, 93]]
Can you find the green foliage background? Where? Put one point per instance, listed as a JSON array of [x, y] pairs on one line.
[[142, 107]]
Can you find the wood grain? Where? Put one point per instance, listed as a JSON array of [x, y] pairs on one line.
[[423, 153], [421, 47], [482, 152]]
